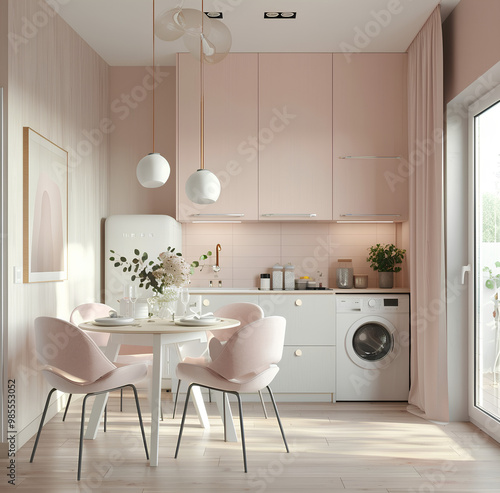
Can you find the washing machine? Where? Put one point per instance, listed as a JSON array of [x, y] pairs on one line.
[[373, 347]]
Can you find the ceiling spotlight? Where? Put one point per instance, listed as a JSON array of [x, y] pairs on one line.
[[214, 15], [280, 15]]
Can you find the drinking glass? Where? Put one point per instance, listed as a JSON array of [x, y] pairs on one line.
[[126, 299], [133, 292], [184, 299]]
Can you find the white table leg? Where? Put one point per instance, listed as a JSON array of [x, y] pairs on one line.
[[199, 405], [111, 351], [156, 400], [228, 415]]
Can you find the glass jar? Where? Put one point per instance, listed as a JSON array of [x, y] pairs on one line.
[[277, 277], [265, 282], [345, 274], [289, 277]]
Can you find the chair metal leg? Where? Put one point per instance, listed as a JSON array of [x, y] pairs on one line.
[[223, 414], [67, 407], [263, 403], [121, 400], [41, 424], [105, 417], [80, 448], [183, 420], [278, 416], [176, 397], [140, 420], [242, 431]]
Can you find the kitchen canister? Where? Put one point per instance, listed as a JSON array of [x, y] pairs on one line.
[[265, 282], [277, 276], [360, 281], [344, 273], [289, 277]]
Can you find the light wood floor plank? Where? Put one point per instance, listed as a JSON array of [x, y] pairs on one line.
[[342, 447]]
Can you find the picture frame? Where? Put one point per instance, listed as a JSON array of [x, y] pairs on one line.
[[45, 209]]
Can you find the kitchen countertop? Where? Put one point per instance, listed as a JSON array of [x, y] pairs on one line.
[[328, 291]]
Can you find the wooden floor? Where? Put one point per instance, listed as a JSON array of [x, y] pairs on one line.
[[343, 447]]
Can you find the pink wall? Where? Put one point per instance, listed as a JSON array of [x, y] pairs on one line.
[[471, 38], [131, 106], [249, 249]]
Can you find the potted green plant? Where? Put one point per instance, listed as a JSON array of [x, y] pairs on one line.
[[385, 259]]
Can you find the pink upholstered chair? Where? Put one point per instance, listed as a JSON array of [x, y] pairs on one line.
[[245, 313], [128, 354], [73, 363], [246, 363]]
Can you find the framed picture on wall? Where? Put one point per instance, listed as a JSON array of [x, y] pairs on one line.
[[45, 209]]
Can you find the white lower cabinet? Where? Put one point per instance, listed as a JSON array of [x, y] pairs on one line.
[[307, 369]]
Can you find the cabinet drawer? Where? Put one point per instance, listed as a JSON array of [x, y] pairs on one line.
[[307, 369], [310, 319]]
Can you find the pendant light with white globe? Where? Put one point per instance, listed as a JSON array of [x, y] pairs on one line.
[[153, 170], [202, 187]]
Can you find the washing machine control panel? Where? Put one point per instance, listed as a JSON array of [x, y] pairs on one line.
[[372, 303]]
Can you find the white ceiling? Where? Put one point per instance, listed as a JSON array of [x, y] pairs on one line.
[[121, 30]]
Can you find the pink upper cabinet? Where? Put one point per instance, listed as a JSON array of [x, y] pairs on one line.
[[230, 127], [295, 136], [370, 130]]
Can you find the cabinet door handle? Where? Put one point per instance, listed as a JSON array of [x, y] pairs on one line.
[[232, 214], [289, 215], [298, 352], [206, 302], [364, 215], [369, 157], [298, 302]]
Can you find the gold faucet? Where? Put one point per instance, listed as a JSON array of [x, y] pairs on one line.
[[216, 267]]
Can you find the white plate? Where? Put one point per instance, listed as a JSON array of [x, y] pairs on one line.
[[195, 322], [109, 322]]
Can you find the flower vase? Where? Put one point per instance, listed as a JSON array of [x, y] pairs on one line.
[[164, 304]]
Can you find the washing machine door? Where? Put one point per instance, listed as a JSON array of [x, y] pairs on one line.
[[370, 342]]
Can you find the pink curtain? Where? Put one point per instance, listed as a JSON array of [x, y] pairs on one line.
[[429, 382]]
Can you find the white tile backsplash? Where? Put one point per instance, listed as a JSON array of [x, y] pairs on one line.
[[251, 249]]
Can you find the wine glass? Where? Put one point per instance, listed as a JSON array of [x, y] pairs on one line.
[[133, 293], [184, 299], [126, 299]]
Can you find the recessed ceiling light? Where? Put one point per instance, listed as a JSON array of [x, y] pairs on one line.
[[280, 15], [214, 15]]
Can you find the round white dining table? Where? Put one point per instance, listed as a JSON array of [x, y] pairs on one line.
[[156, 333]]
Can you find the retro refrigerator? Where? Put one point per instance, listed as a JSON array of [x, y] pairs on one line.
[[125, 233]]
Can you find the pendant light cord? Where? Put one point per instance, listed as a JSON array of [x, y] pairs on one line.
[[202, 102], [154, 81]]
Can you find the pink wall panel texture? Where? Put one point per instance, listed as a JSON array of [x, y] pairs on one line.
[[471, 39], [313, 248], [131, 110]]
